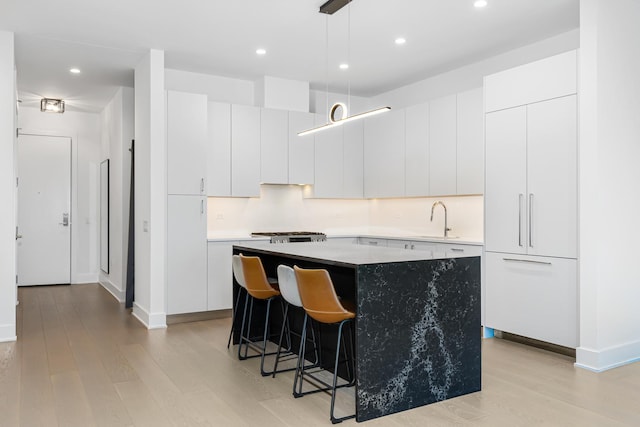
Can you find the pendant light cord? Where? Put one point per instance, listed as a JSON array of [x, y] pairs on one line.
[[349, 57], [327, 65]]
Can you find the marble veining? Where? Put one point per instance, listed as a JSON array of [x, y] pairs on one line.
[[425, 365]]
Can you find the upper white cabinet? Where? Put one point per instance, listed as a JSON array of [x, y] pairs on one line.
[[470, 142], [186, 143], [442, 146], [245, 151], [417, 150], [274, 146], [219, 150], [384, 155], [301, 148], [538, 81], [531, 181], [338, 161], [353, 163]]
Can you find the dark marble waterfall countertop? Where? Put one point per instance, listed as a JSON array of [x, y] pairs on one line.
[[343, 255]]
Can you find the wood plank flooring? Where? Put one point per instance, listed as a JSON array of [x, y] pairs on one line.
[[82, 360]]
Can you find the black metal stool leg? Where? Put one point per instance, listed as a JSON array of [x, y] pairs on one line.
[[275, 365], [233, 317], [297, 391], [335, 420]]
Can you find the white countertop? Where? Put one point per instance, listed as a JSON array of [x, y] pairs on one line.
[[341, 254], [412, 237]]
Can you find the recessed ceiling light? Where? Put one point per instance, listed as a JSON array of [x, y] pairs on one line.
[[74, 71], [480, 3], [344, 66], [400, 40], [261, 51]]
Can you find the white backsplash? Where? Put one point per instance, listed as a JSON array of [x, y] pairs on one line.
[[284, 208]]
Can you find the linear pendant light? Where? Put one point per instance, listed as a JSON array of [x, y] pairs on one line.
[[329, 8]]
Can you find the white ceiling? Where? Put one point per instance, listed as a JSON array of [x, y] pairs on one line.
[[105, 39]]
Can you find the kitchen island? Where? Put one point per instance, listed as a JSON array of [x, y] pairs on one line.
[[417, 327]]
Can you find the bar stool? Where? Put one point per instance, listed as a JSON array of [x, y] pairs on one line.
[[321, 303], [236, 266], [258, 288], [291, 296]]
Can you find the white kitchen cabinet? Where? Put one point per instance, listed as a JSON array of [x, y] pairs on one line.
[[274, 146], [417, 150], [186, 254], [506, 180], [329, 161], [220, 275], [534, 82], [384, 155], [186, 143], [301, 148], [552, 177], [458, 249], [245, 151], [338, 161], [532, 296], [219, 149], [343, 240], [531, 179], [442, 146], [353, 164], [470, 143]]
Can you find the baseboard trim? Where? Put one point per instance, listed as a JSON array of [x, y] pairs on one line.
[[78, 279], [172, 319], [607, 358], [150, 321], [113, 290], [8, 333]]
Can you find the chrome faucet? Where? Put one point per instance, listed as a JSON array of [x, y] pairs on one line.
[[446, 228]]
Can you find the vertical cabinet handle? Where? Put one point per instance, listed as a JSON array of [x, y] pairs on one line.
[[520, 198], [201, 207], [531, 220], [413, 246], [201, 185]]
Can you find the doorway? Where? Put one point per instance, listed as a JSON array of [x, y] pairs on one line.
[[43, 231]]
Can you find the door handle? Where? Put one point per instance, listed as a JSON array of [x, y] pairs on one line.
[[65, 220], [520, 198], [201, 207], [527, 261], [531, 220], [201, 185], [18, 236]]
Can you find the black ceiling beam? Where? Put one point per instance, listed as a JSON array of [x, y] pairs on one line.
[[332, 6]]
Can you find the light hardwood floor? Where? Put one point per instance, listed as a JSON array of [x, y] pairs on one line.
[[83, 360]]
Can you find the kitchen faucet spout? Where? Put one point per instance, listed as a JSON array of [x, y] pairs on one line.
[[446, 228]]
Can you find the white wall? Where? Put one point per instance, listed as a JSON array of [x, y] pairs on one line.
[[609, 174], [470, 76], [150, 191], [284, 208], [116, 122], [84, 130], [217, 88], [7, 189]]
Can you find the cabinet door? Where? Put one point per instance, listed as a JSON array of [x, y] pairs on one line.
[[442, 146], [245, 151], [384, 155], [274, 146], [353, 162], [535, 297], [506, 180], [301, 148], [329, 162], [453, 249], [552, 177], [470, 143], [417, 151], [219, 150], [186, 143], [186, 254], [424, 246], [220, 279]]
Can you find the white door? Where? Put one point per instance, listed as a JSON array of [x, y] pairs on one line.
[[44, 201]]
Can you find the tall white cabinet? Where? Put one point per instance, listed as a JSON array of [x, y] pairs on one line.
[[531, 205], [186, 202]]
